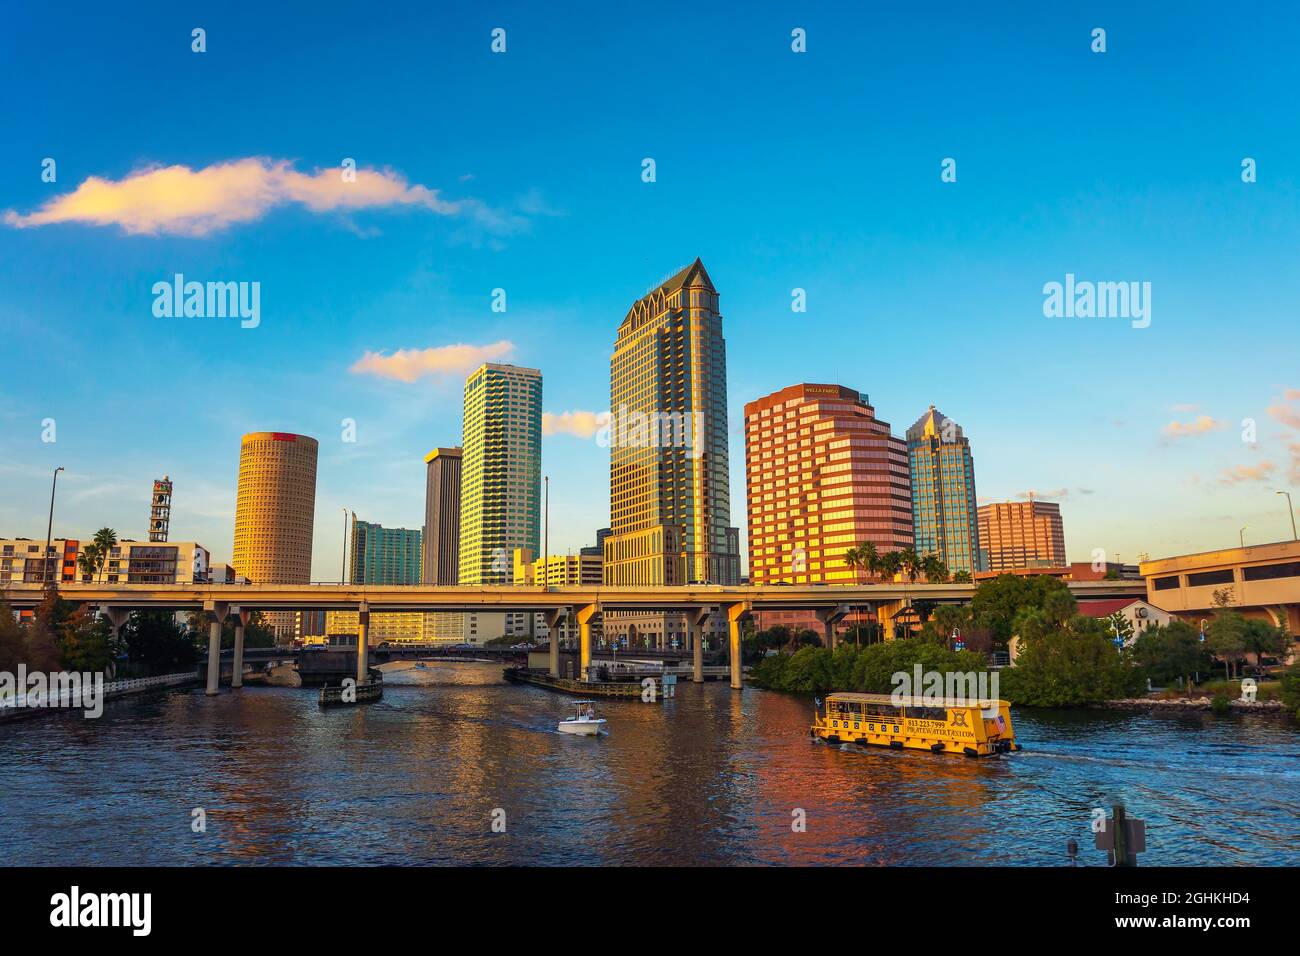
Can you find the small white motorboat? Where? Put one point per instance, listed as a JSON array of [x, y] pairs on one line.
[[584, 720]]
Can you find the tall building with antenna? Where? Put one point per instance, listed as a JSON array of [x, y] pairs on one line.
[[160, 510]]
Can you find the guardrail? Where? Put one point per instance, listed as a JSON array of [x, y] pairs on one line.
[[67, 697]]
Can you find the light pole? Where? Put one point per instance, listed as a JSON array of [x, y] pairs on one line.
[[1241, 535], [49, 529], [1291, 511]]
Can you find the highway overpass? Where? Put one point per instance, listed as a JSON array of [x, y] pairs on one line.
[[831, 603]]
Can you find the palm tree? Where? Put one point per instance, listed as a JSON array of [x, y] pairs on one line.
[[909, 562], [935, 571], [962, 577], [88, 561], [863, 557], [105, 541], [853, 560], [889, 564]]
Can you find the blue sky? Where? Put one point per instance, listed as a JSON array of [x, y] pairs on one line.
[[818, 171]]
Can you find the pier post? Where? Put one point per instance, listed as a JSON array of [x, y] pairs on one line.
[[583, 616], [237, 662], [363, 643], [695, 618], [216, 614], [735, 614]]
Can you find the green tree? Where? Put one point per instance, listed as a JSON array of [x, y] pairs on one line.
[[1068, 666], [157, 644], [998, 600], [43, 631], [962, 577], [1170, 653], [889, 564], [1119, 625], [105, 541], [88, 561], [13, 639], [86, 642], [1289, 691], [934, 569], [1226, 638], [1263, 639]]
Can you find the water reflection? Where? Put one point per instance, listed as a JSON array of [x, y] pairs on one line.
[[709, 777]]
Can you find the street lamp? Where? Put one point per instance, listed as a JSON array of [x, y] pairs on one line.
[[1291, 511], [49, 528], [1241, 535]]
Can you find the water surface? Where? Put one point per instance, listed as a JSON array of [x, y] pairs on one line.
[[710, 777]]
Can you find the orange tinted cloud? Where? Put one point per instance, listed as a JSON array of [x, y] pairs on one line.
[[1198, 426], [1240, 473], [177, 200], [581, 424], [408, 365]]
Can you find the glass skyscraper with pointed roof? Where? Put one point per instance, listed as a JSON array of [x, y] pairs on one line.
[[945, 517]]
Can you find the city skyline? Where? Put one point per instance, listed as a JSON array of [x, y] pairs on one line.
[[1132, 430]]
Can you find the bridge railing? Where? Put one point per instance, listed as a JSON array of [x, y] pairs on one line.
[[67, 696]]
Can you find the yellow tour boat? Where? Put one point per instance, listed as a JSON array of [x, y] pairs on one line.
[[915, 723]]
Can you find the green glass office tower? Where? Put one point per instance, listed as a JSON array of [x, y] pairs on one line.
[[385, 555], [945, 518]]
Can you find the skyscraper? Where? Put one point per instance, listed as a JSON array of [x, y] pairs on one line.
[[944, 510], [442, 516], [501, 471], [382, 555], [274, 513], [822, 474], [670, 508], [1022, 534]]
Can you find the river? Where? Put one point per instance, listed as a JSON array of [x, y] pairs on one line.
[[711, 777]]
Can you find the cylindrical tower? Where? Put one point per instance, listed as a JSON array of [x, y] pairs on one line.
[[275, 507]]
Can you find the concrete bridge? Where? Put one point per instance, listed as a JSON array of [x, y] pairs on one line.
[[830, 603]]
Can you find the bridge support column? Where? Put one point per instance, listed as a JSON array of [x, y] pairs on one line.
[[553, 618], [216, 613], [695, 618], [584, 616], [735, 614], [117, 618], [830, 616], [237, 662], [363, 643], [886, 611]]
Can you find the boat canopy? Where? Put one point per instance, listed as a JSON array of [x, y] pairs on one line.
[[852, 698]]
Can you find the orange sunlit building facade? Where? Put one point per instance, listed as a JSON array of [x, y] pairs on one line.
[[822, 475], [1022, 534]]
